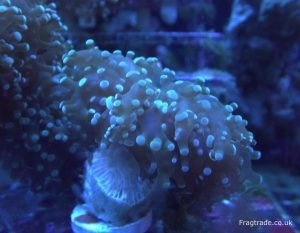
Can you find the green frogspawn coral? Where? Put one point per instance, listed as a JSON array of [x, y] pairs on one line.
[[13, 25], [31, 46], [30, 39], [194, 139]]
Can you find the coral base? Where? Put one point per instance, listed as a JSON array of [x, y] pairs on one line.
[[84, 222]]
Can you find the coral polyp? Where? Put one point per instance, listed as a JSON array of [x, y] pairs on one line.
[[31, 45], [11, 44], [134, 103]]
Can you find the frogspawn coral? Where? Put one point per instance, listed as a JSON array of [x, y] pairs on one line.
[[31, 45], [11, 45], [31, 39], [177, 127]]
